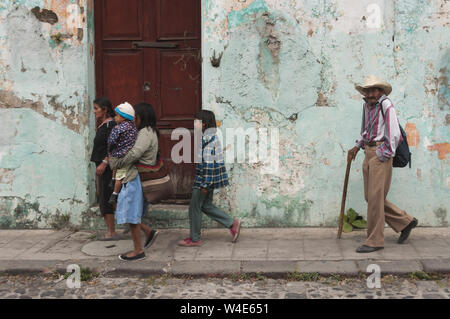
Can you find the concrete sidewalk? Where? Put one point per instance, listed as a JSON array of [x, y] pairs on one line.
[[271, 252]]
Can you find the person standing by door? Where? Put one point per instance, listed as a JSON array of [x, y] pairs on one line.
[[380, 136], [104, 114]]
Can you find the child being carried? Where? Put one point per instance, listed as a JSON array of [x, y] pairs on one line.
[[122, 139]]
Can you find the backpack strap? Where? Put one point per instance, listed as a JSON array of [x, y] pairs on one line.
[[381, 103], [211, 140]]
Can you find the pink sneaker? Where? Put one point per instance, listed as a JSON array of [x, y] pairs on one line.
[[189, 243], [235, 229]]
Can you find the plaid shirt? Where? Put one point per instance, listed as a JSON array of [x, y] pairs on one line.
[[375, 128], [210, 171]]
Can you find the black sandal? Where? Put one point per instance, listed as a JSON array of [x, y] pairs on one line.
[[367, 249], [124, 257], [151, 238]]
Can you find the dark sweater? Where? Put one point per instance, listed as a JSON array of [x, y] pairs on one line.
[[100, 150]]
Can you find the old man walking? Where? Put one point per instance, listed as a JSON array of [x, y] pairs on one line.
[[380, 136]]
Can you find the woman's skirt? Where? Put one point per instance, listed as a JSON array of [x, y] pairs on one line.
[[105, 191], [130, 203]]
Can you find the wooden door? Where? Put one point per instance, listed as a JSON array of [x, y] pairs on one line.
[[149, 51]]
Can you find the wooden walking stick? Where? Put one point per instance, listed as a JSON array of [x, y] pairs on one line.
[[344, 195]]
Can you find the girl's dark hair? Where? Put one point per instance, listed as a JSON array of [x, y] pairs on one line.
[[208, 118], [147, 116], [105, 104]]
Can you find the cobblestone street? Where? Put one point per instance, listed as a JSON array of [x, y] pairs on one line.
[[167, 287]]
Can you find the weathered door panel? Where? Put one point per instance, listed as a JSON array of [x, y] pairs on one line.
[[123, 76], [179, 79], [122, 20], [178, 19], [180, 175]]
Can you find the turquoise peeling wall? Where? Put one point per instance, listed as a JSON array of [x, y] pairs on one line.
[[293, 64], [47, 124], [285, 64]]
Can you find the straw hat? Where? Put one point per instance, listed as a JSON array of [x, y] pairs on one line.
[[373, 82]]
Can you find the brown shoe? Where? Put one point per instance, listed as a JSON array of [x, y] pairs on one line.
[[235, 229]]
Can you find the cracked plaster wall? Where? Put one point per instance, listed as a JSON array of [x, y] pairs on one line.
[[45, 105], [286, 64], [292, 64]]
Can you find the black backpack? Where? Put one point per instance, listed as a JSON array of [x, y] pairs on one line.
[[402, 154]]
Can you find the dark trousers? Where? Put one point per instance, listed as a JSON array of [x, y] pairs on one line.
[[204, 203], [105, 192]]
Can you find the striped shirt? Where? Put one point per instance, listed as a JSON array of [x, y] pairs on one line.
[[210, 171], [375, 128]]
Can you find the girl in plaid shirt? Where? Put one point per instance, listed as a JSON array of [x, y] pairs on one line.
[[210, 174]]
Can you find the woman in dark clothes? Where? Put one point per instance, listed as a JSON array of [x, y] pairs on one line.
[[104, 115]]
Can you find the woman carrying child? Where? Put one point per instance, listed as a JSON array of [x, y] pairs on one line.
[[131, 201]]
